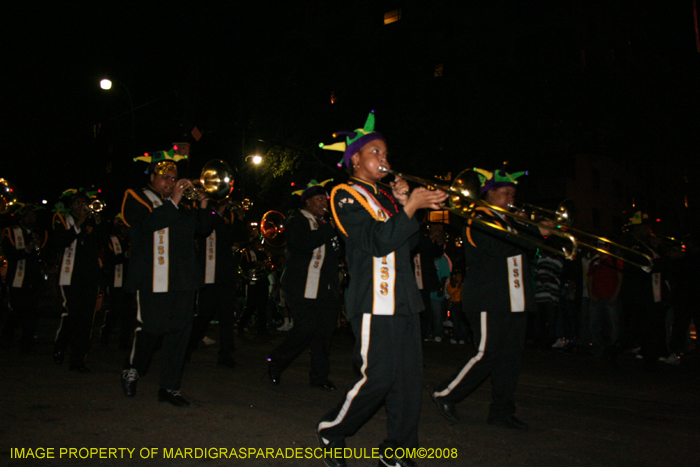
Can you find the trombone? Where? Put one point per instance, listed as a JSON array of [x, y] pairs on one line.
[[464, 199], [215, 181]]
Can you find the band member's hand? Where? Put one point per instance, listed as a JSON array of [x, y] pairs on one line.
[[203, 200], [421, 198], [546, 227], [400, 191], [179, 188]]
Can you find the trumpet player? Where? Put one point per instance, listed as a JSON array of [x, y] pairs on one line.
[[22, 245], [164, 272], [79, 236]]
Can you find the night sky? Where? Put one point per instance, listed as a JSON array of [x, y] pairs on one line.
[[530, 82]]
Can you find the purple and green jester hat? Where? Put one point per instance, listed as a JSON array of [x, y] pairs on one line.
[[161, 162], [312, 189], [496, 179], [354, 140]]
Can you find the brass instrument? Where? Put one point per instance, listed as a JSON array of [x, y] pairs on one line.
[[272, 228], [239, 205], [464, 199], [215, 180], [8, 197], [96, 206]]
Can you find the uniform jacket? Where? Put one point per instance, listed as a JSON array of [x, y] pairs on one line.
[[490, 257], [378, 243], [175, 251], [311, 269], [89, 239], [216, 253]]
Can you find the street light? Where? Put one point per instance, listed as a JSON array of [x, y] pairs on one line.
[[257, 159], [106, 84]]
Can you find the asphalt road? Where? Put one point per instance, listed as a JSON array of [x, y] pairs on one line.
[[581, 412]]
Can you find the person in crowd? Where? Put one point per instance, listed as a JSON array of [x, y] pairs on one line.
[[438, 300], [23, 245], [121, 304], [382, 299], [604, 285], [216, 300], [460, 327], [498, 291], [548, 273], [79, 235], [424, 269], [164, 272], [310, 286]]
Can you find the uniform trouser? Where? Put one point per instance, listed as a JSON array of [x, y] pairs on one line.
[[314, 321], [256, 303], [501, 338], [389, 354], [121, 311], [23, 311], [168, 315], [218, 299], [79, 303]]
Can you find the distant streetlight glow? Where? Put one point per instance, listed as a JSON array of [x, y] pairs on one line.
[[106, 84], [257, 159]]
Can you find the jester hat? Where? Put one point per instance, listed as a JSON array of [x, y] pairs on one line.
[[496, 179], [354, 140], [312, 189], [161, 162], [639, 217]]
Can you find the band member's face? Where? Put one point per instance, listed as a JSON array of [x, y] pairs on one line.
[[369, 159], [501, 197], [164, 183], [79, 206], [317, 205]]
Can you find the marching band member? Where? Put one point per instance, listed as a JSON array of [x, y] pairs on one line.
[[22, 245], [164, 272], [218, 296], [79, 234], [310, 284], [498, 288], [382, 300]]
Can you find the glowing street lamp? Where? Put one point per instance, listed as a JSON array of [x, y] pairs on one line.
[[106, 84], [257, 159]]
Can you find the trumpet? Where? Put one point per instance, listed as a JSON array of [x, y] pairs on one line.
[[464, 199], [215, 181]]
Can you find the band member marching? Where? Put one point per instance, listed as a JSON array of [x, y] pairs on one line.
[[498, 293], [79, 234], [310, 284], [164, 272], [382, 300], [22, 245]]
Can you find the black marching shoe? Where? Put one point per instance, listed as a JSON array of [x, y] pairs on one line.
[[172, 397], [446, 409], [274, 375], [330, 447], [396, 462], [323, 385], [129, 378], [508, 421]]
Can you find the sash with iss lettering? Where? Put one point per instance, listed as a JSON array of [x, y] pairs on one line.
[[22, 263], [161, 250], [68, 255], [515, 277], [313, 275], [118, 268], [384, 268]]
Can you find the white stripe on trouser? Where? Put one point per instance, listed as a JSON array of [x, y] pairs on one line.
[[364, 350], [63, 315], [138, 328], [472, 361]]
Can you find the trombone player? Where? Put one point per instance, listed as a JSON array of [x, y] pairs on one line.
[[498, 291]]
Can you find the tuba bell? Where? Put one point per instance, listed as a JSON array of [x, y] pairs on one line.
[[272, 228]]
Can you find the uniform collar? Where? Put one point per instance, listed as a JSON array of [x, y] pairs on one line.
[[365, 184]]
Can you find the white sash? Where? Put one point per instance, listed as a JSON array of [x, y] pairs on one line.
[[313, 274], [21, 268], [68, 256], [418, 271], [384, 268], [515, 282], [210, 262], [161, 250], [118, 268], [656, 286]]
